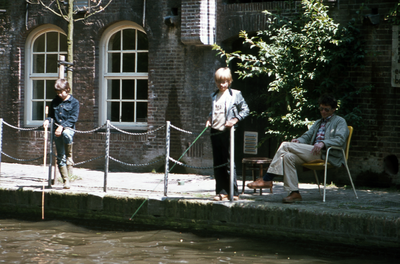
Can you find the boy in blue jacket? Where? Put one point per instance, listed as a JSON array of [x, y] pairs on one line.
[[64, 109]]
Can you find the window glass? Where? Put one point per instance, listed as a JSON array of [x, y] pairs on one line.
[[50, 93], [52, 41], [142, 62], [126, 90], [46, 51], [142, 112], [143, 43], [129, 39], [128, 112], [129, 62], [115, 42], [42, 71], [113, 111], [113, 89], [38, 63], [37, 110], [142, 89], [39, 44], [38, 89], [63, 43], [114, 62], [52, 63]]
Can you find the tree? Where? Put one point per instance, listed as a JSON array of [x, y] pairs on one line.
[[305, 55], [393, 16], [72, 12]]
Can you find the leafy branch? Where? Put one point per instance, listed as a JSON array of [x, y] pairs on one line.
[[304, 55], [393, 16]]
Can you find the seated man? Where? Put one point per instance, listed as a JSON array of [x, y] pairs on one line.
[[330, 130]]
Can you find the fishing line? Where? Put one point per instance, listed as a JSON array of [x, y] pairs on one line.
[[202, 132], [189, 147]]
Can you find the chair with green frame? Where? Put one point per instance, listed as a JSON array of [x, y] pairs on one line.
[[324, 164]]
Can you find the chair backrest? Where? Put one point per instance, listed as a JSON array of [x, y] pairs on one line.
[[348, 141]]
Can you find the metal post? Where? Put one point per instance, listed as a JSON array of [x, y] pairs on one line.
[[51, 152], [107, 156], [61, 68], [1, 140], [167, 145], [232, 161]]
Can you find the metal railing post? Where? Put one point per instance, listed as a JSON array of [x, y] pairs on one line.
[[1, 140], [107, 156], [232, 162], [51, 152], [167, 146]]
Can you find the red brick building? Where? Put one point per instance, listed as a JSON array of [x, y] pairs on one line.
[[171, 79]]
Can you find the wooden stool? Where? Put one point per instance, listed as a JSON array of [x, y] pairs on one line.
[[254, 163]]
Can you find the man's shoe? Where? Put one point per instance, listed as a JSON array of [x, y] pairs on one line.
[[293, 197], [260, 183], [217, 198], [224, 197]]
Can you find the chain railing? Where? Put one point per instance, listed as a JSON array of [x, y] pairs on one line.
[[108, 126]]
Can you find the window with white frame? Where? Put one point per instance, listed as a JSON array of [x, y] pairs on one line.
[[124, 88], [43, 48]]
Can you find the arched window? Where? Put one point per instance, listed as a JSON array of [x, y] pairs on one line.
[[43, 48], [124, 88]]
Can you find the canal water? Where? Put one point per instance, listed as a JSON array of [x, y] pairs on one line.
[[64, 242]]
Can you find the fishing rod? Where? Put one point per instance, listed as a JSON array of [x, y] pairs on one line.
[[202, 132]]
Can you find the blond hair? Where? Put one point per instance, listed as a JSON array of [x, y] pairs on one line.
[[223, 74]]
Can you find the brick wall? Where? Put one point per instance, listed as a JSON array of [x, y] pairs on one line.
[[181, 71], [172, 94], [232, 18], [198, 22], [4, 60], [374, 150]]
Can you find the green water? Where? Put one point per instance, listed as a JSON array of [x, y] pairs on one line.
[[63, 242]]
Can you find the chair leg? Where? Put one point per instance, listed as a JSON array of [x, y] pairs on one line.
[[254, 178], [351, 180], [244, 176], [316, 178], [325, 176]]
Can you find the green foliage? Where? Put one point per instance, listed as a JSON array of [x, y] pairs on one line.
[[394, 15], [304, 55]]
